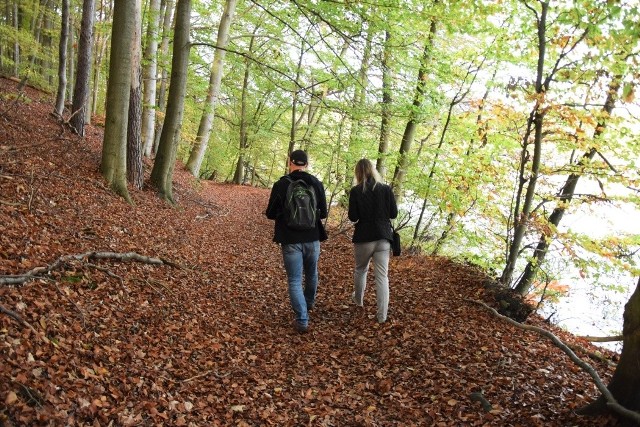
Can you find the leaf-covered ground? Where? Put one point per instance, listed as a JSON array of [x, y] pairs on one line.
[[208, 340]]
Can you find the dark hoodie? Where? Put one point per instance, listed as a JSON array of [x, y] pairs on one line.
[[275, 210]]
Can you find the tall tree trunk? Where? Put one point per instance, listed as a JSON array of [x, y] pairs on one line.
[[36, 29], [47, 43], [81, 88], [204, 130], [114, 148], [359, 93], [566, 195], [357, 112], [134, 146], [385, 123], [62, 58], [150, 72], [410, 128], [536, 119], [16, 43], [101, 50], [162, 172], [71, 69], [164, 74], [238, 176]]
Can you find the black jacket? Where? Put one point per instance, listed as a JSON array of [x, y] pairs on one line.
[[275, 210], [371, 210]]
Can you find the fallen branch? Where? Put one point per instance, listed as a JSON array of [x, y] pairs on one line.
[[611, 401], [17, 318], [203, 374], [602, 339], [43, 271], [3, 202]]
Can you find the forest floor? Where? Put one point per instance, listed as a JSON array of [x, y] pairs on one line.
[[206, 337]]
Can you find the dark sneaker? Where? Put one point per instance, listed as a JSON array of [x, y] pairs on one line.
[[301, 329], [353, 299]]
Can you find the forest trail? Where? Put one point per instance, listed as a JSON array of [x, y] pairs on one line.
[[209, 340]]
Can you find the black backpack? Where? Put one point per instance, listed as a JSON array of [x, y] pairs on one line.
[[300, 207]]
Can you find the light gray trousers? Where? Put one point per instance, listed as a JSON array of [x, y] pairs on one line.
[[379, 251]]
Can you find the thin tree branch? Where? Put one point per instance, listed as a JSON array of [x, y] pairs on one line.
[[17, 318]]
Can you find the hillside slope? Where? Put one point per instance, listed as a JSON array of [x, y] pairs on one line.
[[205, 338]]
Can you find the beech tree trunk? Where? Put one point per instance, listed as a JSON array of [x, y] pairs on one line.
[[239, 174], [162, 173], [164, 74], [385, 123], [150, 75], [81, 88], [16, 43], [521, 218], [62, 58], [114, 147], [135, 174], [410, 128], [206, 121], [71, 53]]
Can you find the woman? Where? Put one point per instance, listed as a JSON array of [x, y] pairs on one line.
[[371, 206]]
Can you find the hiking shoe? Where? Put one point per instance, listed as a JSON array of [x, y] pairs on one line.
[[301, 329], [353, 298]]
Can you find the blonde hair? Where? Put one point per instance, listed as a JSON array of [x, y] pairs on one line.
[[365, 172]]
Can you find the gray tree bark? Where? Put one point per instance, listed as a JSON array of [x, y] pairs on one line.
[[114, 147], [150, 76], [162, 172], [206, 121], [135, 174], [412, 124], [164, 74], [62, 58], [536, 120], [385, 123], [81, 88]]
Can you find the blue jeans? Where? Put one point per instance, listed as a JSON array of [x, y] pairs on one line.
[[302, 258]]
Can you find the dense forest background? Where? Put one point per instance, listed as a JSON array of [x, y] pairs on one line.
[[491, 120]]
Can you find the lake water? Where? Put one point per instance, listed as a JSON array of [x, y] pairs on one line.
[[590, 308]]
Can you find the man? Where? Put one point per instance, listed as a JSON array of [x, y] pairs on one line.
[[300, 247]]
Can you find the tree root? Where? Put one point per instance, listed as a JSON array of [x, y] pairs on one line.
[[20, 279], [612, 403]]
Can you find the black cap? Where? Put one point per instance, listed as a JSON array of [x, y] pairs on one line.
[[298, 158]]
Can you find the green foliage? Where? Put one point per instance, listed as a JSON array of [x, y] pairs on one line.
[[478, 94]]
